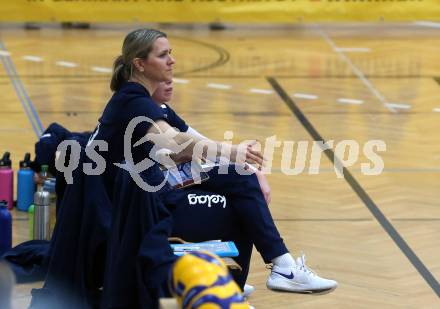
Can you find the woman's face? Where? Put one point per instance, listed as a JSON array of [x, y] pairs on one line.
[[158, 67], [163, 92]]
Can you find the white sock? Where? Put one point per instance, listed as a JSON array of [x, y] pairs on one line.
[[285, 260]]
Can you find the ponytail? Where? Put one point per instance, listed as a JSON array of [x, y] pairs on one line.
[[121, 73]]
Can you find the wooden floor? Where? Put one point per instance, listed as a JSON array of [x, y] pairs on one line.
[[378, 236]]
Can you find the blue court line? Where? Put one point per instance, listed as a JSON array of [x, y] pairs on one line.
[[21, 93]]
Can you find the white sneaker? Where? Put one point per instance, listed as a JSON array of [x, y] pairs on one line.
[[248, 290], [298, 278]]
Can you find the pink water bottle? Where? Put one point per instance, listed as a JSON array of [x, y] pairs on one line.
[[6, 180]]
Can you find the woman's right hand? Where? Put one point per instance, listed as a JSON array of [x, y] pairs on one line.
[[246, 153]]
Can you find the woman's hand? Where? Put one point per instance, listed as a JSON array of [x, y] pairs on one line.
[[246, 153]]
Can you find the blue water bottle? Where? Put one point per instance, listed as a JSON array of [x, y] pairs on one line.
[[25, 184], [5, 228]]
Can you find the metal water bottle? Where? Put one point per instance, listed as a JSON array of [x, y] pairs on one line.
[[5, 228], [42, 215], [25, 184], [6, 180]]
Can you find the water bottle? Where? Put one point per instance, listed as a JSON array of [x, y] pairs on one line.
[[5, 228], [42, 215], [6, 180], [25, 184]]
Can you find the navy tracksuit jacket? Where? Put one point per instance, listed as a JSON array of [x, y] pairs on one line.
[[78, 246]]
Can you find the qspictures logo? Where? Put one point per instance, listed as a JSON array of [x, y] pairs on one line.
[[164, 145]]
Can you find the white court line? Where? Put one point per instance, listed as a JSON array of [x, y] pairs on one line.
[[33, 58], [427, 24], [262, 91], [356, 71], [66, 64], [180, 81], [353, 49], [102, 70], [398, 105], [350, 101], [436, 110], [4, 53], [305, 96], [219, 86]]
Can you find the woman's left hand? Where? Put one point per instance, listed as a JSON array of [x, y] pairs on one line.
[[246, 153]]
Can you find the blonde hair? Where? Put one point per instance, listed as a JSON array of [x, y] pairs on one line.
[[137, 44]]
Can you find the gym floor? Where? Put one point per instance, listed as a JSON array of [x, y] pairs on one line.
[[377, 235]]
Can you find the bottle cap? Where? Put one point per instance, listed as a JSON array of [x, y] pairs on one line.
[[44, 168], [6, 161], [3, 204], [27, 161], [41, 198]]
